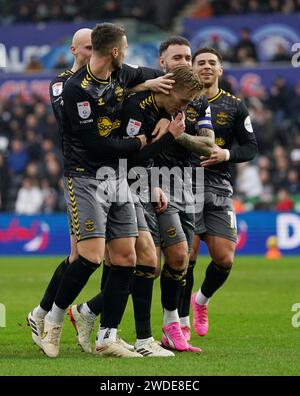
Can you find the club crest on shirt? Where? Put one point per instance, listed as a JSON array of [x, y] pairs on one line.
[[222, 118], [119, 93], [57, 88], [191, 114], [171, 231], [133, 127], [220, 142], [84, 109], [89, 225]]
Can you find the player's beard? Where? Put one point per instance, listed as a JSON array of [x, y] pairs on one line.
[[117, 64], [207, 85]]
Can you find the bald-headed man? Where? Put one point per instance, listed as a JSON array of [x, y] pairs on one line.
[[81, 49]]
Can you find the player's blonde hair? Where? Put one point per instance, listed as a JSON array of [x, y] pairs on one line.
[[185, 79]]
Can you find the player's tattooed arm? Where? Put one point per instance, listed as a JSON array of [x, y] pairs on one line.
[[202, 144], [206, 132]]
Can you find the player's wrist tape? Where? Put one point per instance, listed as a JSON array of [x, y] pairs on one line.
[[227, 155]]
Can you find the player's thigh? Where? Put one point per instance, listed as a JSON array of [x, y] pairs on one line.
[[221, 229], [219, 217], [88, 216], [188, 225], [145, 250], [170, 228], [121, 233], [152, 223]]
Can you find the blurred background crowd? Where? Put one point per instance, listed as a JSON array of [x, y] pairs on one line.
[[155, 11], [30, 157]]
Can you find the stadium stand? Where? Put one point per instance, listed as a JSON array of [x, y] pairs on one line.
[[30, 160]]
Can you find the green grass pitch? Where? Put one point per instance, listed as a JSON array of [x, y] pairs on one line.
[[250, 325]]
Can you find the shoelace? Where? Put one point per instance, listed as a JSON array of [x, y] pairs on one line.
[[176, 331]]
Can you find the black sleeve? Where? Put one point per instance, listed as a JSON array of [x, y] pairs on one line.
[[134, 121], [244, 134], [117, 148], [79, 113], [136, 75], [55, 92], [153, 149]]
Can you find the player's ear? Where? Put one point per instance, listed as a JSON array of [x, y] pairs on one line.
[[221, 71], [73, 50], [161, 62], [115, 52]]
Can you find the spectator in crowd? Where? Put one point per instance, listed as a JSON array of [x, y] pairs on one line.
[[203, 9], [245, 48], [295, 152], [281, 54], [248, 180], [293, 183], [33, 66], [4, 182], [285, 202], [18, 157], [61, 63], [30, 198]]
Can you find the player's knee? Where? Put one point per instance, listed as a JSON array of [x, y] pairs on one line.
[[225, 260], [157, 271], [126, 258], [179, 260], [193, 254], [148, 257]]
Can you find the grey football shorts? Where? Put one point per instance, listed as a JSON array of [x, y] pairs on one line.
[[152, 222], [176, 226], [92, 218], [69, 217], [140, 216], [217, 218]]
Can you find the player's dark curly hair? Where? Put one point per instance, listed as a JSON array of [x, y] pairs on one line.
[[175, 40], [106, 36], [209, 50]]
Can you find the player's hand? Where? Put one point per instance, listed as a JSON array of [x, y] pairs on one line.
[[218, 155], [177, 126], [143, 140], [161, 200], [161, 128], [161, 84]]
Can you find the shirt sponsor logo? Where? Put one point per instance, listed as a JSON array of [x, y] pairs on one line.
[[106, 126], [84, 109], [133, 127], [57, 88], [248, 125]]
